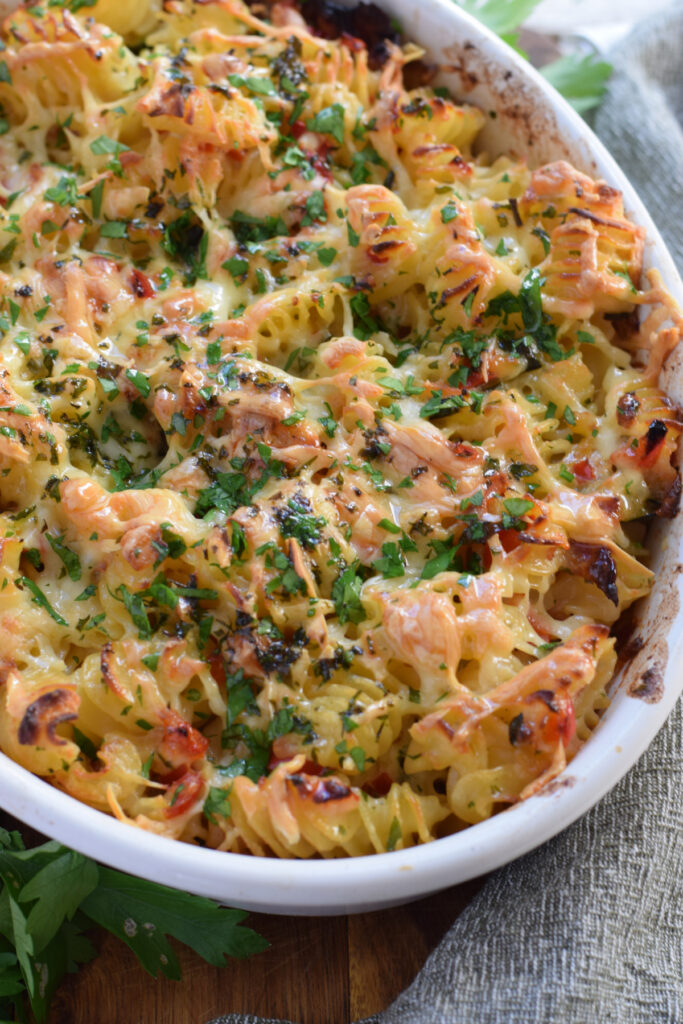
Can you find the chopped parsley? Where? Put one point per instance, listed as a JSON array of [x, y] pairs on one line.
[[329, 121]]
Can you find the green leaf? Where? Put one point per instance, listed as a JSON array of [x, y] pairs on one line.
[[296, 520], [440, 563], [11, 983], [7, 251], [49, 895], [346, 595], [391, 564], [518, 506], [501, 16], [48, 227], [142, 914], [544, 238], [139, 381], [103, 144], [449, 212], [66, 555], [259, 86], [64, 193], [85, 744], [62, 955], [23, 943], [315, 208], [236, 265], [95, 196], [58, 890], [581, 80], [40, 599], [357, 755], [17, 866], [217, 802], [114, 229], [440, 405], [109, 387], [395, 834], [327, 255], [136, 610], [329, 121], [247, 228]]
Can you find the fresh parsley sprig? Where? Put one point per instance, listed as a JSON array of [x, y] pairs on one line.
[[581, 80], [50, 896]]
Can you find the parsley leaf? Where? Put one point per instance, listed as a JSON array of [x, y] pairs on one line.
[[329, 121], [136, 610], [40, 599], [364, 323], [68, 557], [296, 520], [449, 212], [103, 144], [581, 80], [501, 16], [231, 491], [126, 907], [441, 405], [51, 894], [395, 834], [315, 208], [114, 229], [346, 594], [518, 506], [390, 565], [217, 802], [247, 228], [185, 239]]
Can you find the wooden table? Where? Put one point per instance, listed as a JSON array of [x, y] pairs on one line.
[[329, 970]]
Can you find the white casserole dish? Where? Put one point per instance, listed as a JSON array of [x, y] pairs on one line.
[[531, 119]]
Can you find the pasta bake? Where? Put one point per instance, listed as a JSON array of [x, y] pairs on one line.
[[327, 442]]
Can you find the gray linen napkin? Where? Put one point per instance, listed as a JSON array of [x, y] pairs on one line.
[[588, 929]]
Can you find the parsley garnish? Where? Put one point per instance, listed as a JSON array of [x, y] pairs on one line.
[[68, 557], [40, 599], [395, 834], [217, 802], [258, 86], [391, 564], [296, 520], [315, 208], [518, 506], [544, 237], [527, 304], [346, 595], [237, 266], [185, 239], [449, 212], [231, 491], [329, 121], [139, 381], [247, 228]]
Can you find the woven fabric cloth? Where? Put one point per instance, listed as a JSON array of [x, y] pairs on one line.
[[588, 928], [641, 119]]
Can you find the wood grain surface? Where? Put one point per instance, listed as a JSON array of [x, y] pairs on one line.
[[330, 970]]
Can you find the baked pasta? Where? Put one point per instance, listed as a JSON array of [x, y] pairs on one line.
[[326, 446]]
